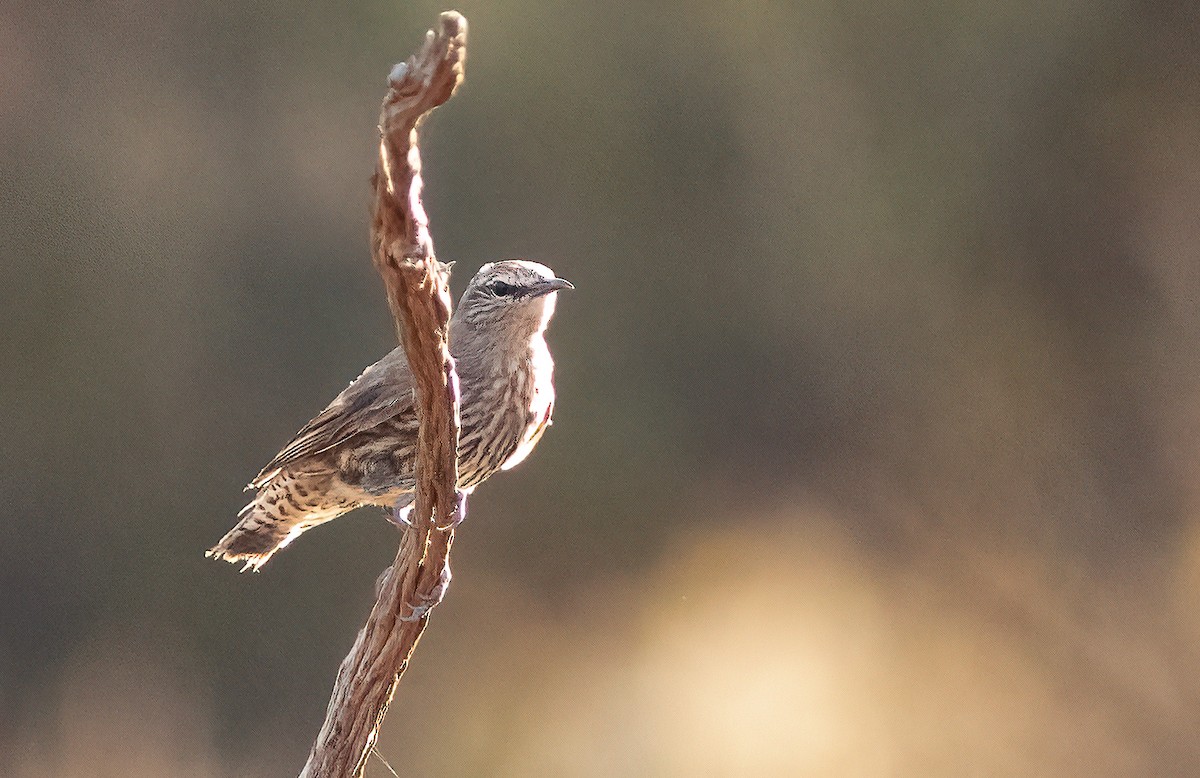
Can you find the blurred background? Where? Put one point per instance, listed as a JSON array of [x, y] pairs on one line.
[[877, 448]]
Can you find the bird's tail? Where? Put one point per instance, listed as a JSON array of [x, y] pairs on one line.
[[265, 526], [252, 542]]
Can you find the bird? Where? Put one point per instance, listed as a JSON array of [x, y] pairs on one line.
[[361, 450]]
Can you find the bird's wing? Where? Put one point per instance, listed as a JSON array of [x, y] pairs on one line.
[[382, 392]]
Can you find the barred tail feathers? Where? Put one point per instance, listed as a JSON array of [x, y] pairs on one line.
[[266, 525]]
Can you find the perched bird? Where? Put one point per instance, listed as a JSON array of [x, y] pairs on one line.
[[361, 450]]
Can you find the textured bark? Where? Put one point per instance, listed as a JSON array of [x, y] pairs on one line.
[[419, 298]]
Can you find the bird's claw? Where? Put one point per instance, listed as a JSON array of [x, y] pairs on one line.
[[460, 511], [428, 601], [399, 515]]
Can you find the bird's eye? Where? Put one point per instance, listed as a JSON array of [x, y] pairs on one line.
[[501, 289]]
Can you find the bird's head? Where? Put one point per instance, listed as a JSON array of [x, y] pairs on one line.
[[515, 294]]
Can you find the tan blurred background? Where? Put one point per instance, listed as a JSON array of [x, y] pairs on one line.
[[876, 451]]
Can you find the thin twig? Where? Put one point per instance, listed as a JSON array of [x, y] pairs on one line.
[[379, 756], [419, 297]]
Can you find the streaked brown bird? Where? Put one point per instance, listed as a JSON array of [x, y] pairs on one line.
[[361, 450]]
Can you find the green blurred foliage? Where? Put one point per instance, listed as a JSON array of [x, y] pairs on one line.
[[875, 449]]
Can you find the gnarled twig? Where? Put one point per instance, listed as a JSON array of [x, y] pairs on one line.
[[419, 298]]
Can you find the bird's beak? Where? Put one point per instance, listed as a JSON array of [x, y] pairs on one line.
[[553, 285]]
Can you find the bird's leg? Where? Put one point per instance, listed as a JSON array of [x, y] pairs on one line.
[[428, 600], [460, 510], [399, 513]]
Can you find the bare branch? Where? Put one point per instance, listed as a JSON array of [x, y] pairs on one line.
[[419, 298]]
